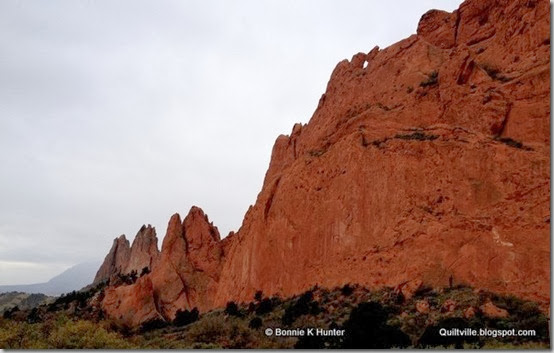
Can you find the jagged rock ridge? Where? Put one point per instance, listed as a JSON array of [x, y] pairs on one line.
[[425, 162], [125, 259]]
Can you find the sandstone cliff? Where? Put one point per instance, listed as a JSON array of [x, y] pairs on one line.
[[424, 161]]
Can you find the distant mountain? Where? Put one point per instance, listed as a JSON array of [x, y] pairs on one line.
[[74, 278]]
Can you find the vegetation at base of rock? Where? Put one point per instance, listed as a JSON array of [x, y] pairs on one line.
[[382, 318], [258, 296], [346, 290], [255, 323], [302, 306], [367, 327], [185, 317], [232, 309]]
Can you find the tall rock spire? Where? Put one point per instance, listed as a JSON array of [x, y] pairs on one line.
[[144, 251], [116, 261]]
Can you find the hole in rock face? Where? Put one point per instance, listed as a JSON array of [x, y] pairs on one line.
[[365, 64]]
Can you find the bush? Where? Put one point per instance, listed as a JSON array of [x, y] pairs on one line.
[[153, 325], [34, 316], [229, 333], [524, 315], [255, 323], [367, 328], [301, 306], [346, 290], [59, 333], [232, 309], [258, 296], [80, 297], [9, 312], [85, 335], [265, 307], [183, 318]]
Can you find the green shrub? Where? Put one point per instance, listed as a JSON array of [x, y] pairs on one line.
[[34, 316], [185, 317], [232, 309], [346, 290], [258, 296], [302, 306], [9, 312], [265, 306], [255, 323], [85, 335], [153, 325], [367, 328]]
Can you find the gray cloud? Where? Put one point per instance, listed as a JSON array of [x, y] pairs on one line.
[[115, 114]]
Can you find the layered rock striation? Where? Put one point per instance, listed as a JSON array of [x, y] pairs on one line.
[[425, 162]]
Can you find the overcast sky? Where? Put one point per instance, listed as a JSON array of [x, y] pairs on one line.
[[118, 113]]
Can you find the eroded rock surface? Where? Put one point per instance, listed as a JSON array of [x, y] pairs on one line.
[[429, 163], [425, 162]]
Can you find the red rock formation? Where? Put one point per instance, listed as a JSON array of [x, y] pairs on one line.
[[124, 259], [410, 167], [116, 261], [425, 162], [185, 276], [144, 251]]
